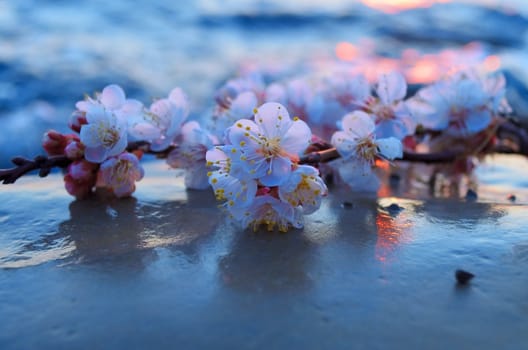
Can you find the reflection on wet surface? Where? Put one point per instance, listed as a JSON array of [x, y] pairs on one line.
[[167, 262], [164, 214], [165, 269], [101, 227]]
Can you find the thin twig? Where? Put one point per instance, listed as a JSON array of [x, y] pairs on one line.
[[23, 166], [512, 138]]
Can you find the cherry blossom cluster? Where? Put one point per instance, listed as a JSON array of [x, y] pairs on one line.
[[255, 156], [105, 125], [257, 171], [367, 122]]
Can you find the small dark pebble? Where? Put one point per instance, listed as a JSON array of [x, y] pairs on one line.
[[347, 205], [471, 195], [512, 198], [463, 277], [394, 208]]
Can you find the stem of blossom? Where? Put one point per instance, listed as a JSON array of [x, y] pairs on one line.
[[44, 164], [145, 147], [323, 156], [23, 166], [511, 138]]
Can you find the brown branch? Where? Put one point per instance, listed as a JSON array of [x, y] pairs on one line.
[[23, 166], [317, 157], [511, 138], [331, 154], [44, 164], [324, 156]]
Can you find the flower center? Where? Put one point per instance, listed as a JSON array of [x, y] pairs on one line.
[[154, 119], [384, 113], [109, 136], [367, 149], [271, 147], [458, 113], [268, 217]]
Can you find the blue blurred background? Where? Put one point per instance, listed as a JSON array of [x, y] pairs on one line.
[[54, 51]]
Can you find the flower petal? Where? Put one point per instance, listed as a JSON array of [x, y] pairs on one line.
[[90, 135], [390, 148], [297, 138], [243, 105], [276, 93], [277, 173], [359, 176], [358, 124], [345, 145], [120, 145], [244, 133], [95, 154], [112, 97], [129, 110], [215, 155], [391, 128], [144, 131], [478, 120], [196, 177], [391, 87], [273, 119]]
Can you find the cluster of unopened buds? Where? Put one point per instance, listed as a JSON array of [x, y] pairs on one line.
[[258, 153]]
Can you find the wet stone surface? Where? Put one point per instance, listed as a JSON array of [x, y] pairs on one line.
[[165, 269]]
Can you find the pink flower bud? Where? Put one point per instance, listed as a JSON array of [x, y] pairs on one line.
[[77, 120], [54, 142], [74, 150]]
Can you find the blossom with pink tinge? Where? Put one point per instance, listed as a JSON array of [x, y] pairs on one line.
[[121, 173], [462, 104], [191, 154], [104, 136], [350, 91], [229, 182], [232, 88], [304, 187], [80, 178], [270, 212], [162, 123], [267, 147], [241, 107], [391, 114], [358, 146], [112, 99], [103, 122]]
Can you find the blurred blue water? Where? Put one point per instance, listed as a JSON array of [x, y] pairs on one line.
[[52, 52]]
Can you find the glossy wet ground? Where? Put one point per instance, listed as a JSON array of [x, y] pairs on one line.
[[164, 270]]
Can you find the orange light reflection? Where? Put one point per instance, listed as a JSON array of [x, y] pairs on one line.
[[492, 63], [393, 6], [392, 233], [418, 68], [346, 51]]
